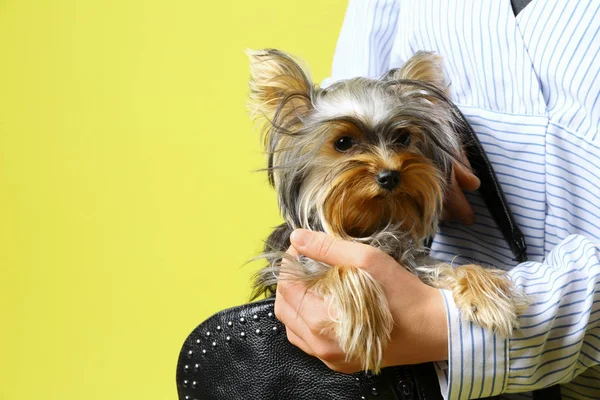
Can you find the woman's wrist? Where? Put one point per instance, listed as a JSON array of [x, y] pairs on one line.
[[436, 326], [424, 337]]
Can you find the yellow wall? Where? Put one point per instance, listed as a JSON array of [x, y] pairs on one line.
[[127, 201]]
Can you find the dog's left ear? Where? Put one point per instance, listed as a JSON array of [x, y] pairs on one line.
[[279, 86], [423, 66]]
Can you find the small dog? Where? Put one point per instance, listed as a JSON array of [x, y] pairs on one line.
[[367, 160]]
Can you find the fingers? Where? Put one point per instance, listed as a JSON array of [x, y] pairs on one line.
[[293, 323], [465, 177], [299, 342], [456, 205], [301, 304], [304, 316]]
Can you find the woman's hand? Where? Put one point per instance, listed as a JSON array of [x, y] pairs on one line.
[[420, 331], [456, 205]]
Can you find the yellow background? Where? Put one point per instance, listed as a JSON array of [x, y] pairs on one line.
[[128, 204]]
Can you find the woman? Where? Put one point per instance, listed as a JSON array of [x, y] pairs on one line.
[[529, 85]]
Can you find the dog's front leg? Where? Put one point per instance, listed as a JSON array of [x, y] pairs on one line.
[[485, 296], [361, 318]]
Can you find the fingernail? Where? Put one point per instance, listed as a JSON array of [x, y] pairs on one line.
[[475, 181], [299, 237]]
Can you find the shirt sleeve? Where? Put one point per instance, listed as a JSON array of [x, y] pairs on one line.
[[365, 41], [558, 338]]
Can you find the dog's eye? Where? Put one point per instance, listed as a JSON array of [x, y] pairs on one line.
[[344, 143], [402, 138]]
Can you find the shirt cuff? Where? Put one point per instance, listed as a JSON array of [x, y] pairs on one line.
[[477, 363]]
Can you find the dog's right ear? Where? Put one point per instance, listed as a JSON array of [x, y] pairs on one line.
[[279, 87]]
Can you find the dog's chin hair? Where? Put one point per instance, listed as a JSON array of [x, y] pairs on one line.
[[308, 210]]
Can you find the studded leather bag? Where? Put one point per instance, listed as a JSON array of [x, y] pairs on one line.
[[243, 354]]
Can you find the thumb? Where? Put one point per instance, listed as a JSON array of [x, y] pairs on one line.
[[322, 247]]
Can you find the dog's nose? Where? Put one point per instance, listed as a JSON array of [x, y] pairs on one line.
[[388, 179]]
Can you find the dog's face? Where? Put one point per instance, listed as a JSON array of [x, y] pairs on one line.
[[361, 157]]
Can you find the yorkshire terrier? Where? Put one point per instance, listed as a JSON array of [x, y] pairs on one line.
[[367, 160]]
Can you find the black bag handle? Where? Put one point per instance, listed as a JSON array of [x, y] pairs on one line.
[[490, 188]]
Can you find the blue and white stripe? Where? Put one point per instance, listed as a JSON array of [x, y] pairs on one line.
[[530, 87]]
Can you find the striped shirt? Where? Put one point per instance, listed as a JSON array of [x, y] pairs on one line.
[[530, 87]]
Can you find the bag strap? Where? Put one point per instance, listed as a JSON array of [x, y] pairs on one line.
[[490, 188]]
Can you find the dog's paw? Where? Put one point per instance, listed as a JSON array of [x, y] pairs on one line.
[[488, 298], [362, 322]]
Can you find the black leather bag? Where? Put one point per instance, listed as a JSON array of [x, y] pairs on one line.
[[243, 354]]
